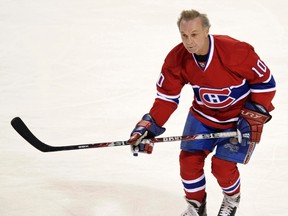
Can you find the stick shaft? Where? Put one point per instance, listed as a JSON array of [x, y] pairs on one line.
[[25, 132]]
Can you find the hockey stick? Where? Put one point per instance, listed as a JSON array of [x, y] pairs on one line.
[[24, 131]]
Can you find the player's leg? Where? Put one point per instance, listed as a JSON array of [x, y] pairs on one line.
[[193, 179], [224, 167], [228, 177], [192, 158]]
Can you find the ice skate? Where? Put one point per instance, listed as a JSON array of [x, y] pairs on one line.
[[195, 208], [229, 205]]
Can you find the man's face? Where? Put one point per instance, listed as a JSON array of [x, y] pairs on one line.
[[194, 36]]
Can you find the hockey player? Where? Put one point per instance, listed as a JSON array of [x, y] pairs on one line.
[[233, 90]]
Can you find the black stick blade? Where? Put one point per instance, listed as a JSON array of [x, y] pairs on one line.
[[24, 131]]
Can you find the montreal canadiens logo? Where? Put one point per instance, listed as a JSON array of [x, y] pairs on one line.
[[216, 98]]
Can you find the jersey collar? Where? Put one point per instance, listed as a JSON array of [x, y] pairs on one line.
[[210, 54]]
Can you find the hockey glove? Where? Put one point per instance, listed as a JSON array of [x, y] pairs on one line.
[[144, 129], [250, 124]]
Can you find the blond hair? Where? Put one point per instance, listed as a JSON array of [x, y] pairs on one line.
[[192, 14]]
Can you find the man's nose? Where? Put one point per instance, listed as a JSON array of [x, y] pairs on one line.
[[189, 40]]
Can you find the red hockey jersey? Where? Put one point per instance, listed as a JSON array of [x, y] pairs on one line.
[[233, 74]]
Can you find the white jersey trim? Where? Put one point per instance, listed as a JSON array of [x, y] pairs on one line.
[[169, 98], [211, 52], [214, 119]]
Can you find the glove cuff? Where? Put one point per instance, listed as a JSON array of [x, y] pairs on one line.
[[256, 111], [147, 122]]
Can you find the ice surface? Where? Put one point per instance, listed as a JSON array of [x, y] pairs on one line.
[[85, 71]]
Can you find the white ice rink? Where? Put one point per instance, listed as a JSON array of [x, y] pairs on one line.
[[85, 72]]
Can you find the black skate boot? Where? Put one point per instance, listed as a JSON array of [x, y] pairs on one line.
[[195, 208], [229, 205]]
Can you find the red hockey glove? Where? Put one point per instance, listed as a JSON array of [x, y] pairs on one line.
[[250, 124], [144, 129]]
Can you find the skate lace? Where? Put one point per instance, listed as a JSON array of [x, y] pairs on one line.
[[228, 206], [225, 210]]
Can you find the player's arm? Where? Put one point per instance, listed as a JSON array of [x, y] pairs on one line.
[[263, 85], [255, 112], [256, 72], [169, 86], [151, 124]]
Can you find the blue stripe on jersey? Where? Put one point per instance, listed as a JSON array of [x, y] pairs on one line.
[[194, 185], [269, 85], [170, 98]]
